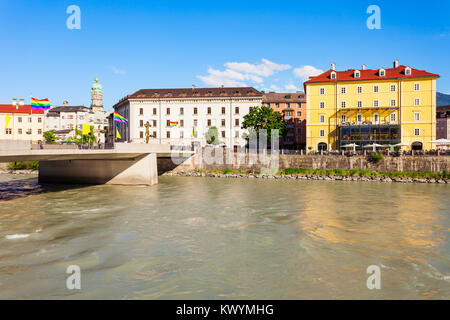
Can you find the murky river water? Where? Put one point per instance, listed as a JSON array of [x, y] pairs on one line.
[[204, 238]]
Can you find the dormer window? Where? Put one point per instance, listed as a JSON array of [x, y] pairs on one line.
[[357, 74], [382, 73], [333, 75], [408, 71]]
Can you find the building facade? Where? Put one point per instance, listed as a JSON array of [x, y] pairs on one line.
[[292, 107], [19, 122], [443, 122], [383, 106], [183, 116]]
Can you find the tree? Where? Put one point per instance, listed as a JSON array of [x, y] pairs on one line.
[[49, 136], [212, 136], [264, 118], [84, 138]]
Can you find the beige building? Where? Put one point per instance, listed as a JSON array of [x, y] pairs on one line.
[[19, 122]]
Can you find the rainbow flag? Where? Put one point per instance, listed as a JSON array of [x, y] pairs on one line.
[[119, 118], [193, 132], [173, 124], [40, 104]]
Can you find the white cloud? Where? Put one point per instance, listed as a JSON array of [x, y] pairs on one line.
[[118, 71], [237, 72], [307, 71], [292, 88]]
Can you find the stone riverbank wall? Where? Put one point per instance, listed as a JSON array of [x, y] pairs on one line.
[[242, 162]]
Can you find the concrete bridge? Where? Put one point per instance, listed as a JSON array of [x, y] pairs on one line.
[[127, 164]]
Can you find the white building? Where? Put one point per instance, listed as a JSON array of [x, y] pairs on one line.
[[194, 109]]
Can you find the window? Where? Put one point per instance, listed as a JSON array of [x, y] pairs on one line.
[[141, 123], [359, 118], [236, 134], [343, 104], [393, 117], [277, 105], [154, 123], [209, 110], [376, 118], [141, 111], [154, 111], [359, 90], [168, 123], [322, 133], [223, 122], [236, 110], [382, 72], [417, 102], [417, 87], [181, 111], [299, 113], [360, 104], [209, 122], [343, 118], [417, 132], [322, 118], [408, 71], [343, 90], [376, 89], [393, 102], [168, 134], [333, 75], [223, 134], [39, 120], [376, 103], [223, 110], [154, 134], [299, 105], [195, 110], [322, 90], [357, 74], [322, 105], [181, 123], [8, 131], [141, 134], [19, 119], [250, 109], [195, 122], [416, 116], [168, 111], [236, 122]]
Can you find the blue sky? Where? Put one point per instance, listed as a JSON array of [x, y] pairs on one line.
[[270, 45]]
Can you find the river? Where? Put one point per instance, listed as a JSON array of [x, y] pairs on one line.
[[206, 238]]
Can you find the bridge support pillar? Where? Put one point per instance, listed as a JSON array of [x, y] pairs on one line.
[[139, 171]]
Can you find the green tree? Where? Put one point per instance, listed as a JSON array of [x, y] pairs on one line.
[[212, 136], [84, 138], [264, 118], [49, 136]]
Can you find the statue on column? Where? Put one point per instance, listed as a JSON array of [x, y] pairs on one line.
[[147, 132]]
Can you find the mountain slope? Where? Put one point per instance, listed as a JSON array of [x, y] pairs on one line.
[[442, 99]]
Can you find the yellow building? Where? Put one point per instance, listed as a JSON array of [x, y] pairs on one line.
[[19, 122], [384, 106]]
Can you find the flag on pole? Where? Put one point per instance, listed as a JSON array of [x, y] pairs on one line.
[[119, 118], [86, 129], [38, 105], [7, 121], [118, 134], [193, 132], [173, 124]]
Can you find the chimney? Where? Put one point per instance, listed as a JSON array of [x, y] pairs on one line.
[[14, 102], [333, 66], [65, 103], [364, 67], [22, 102], [396, 63], [193, 87]]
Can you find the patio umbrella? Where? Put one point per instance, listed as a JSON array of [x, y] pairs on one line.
[[401, 144], [351, 145], [444, 142], [373, 146]]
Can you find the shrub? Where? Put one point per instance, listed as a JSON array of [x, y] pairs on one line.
[[23, 165], [376, 157]]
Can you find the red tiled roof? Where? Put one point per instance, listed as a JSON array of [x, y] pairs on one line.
[[392, 73], [9, 108]]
